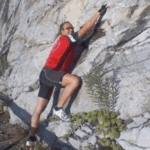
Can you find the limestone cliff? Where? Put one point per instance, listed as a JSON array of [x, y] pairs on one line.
[[121, 46]]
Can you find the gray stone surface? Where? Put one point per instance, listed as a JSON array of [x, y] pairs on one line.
[[128, 146], [75, 143], [136, 136], [60, 128], [86, 129], [28, 31], [33, 35], [146, 115], [92, 140], [132, 125], [140, 120], [80, 133], [84, 144]]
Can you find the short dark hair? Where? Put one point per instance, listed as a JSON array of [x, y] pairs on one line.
[[62, 25]]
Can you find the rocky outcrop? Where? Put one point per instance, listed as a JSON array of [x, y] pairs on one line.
[[136, 136], [85, 136], [120, 47]]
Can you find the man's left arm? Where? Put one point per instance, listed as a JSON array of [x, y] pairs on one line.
[[88, 25], [91, 22]]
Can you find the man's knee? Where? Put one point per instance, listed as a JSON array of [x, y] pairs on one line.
[[70, 79], [77, 81]]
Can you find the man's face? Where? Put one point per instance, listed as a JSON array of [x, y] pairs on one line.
[[67, 29]]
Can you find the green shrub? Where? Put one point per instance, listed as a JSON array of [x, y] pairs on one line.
[[102, 89], [106, 123]]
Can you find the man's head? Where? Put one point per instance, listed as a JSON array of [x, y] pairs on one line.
[[66, 28]]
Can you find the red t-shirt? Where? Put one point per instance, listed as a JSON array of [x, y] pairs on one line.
[[62, 53]]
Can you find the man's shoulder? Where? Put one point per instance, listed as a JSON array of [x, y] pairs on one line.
[[73, 37], [63, 38]]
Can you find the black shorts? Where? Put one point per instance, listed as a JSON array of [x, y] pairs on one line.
[[48, 79]]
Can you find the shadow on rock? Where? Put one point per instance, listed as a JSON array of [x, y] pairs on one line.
[[47, 136]]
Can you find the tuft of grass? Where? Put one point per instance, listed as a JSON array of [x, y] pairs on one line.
[[31, 2], [40, 146], [143, 14], [1, 2], [1, 107], [131, 11], [3, 63]]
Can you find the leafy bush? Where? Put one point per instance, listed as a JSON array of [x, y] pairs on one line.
[[103, 90], [106, 123]]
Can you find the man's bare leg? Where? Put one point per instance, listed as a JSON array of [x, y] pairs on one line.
[[40, 107], [70, 83]]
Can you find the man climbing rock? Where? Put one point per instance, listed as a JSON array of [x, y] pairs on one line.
[[56, 72]]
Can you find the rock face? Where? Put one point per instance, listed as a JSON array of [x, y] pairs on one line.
[[121, 47], [136, 137]]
